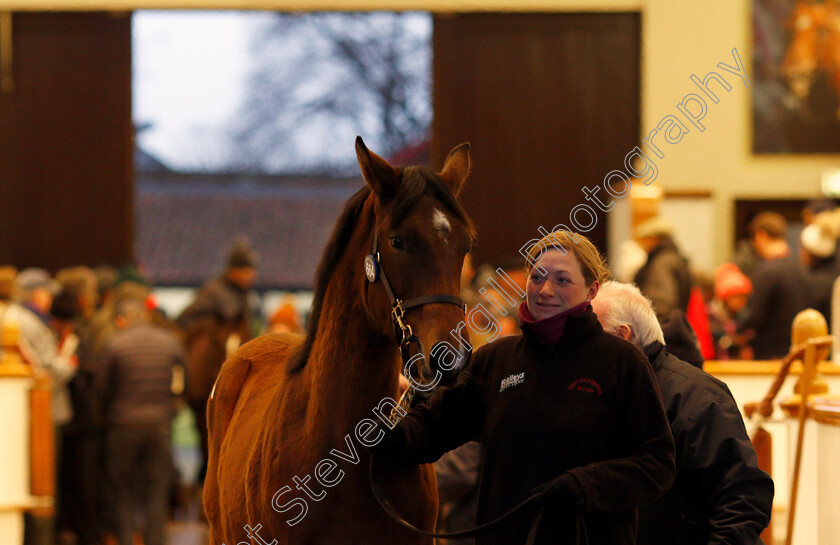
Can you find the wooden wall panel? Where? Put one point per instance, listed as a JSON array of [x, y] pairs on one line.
[[66, 171], [550, 103]]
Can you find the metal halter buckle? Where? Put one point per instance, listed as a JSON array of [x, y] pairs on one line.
[[398, 313]]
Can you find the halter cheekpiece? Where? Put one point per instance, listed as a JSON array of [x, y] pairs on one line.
[[403, 333]]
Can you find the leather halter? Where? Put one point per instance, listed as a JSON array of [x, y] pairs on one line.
[[403, 333]]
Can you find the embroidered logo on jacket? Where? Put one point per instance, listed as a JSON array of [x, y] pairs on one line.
[[586, 385], [513, 380]]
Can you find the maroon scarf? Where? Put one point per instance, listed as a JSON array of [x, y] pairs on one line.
[[549, 330]]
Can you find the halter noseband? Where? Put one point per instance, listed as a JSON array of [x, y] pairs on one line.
[[403, 333]]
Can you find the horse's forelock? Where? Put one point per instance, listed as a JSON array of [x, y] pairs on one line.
[[420, 181]]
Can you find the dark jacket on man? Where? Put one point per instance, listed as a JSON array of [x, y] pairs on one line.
[[719, 496], [780, 291], [665, 278], [820, 285], [586, 408], [136, 375]]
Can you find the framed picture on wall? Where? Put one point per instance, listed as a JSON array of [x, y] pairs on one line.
[[796, 76]]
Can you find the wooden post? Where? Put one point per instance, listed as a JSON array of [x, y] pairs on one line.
[[763, 444], [808, 372], [42, 444]]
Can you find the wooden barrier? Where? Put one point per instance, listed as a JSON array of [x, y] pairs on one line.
[[27, 441], [826, 413], [42, 444], [15, 384]]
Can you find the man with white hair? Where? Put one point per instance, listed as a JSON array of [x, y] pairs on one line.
[[719, 496]]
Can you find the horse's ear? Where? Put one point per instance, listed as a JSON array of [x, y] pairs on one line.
[[456, 167], [379, 175]]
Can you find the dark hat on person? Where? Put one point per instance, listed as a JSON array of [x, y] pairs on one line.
[[241, 255]]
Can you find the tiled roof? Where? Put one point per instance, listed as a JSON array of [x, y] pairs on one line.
[[185, 225]]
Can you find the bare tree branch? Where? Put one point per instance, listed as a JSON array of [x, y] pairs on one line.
[[321, 78]]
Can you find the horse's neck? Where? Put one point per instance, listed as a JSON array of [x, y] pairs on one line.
[[352, 366]]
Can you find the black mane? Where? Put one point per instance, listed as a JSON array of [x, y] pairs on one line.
[[335, 249], [416, 182]]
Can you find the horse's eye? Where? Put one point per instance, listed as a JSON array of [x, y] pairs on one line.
[[397, 243]]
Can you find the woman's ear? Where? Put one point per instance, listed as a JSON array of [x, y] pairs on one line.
[[593, 290]]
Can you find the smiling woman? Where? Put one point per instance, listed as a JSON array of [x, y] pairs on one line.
[[559, 280], [547, 406]]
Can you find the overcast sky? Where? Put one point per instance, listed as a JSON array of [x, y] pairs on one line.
[[189, 70]]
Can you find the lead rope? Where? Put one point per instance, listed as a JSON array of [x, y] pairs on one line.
[[379, 494]]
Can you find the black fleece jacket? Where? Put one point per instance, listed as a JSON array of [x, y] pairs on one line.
[[720, 496], [588, 406]]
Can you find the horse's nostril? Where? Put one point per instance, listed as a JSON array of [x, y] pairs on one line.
[[446, 358]]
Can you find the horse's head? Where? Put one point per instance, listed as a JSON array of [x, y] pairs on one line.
[[420, 237]]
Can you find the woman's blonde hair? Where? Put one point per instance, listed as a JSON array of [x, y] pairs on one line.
[[592, 264]]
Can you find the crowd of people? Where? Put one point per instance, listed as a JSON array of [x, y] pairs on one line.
[[745, 309], [119, 366]]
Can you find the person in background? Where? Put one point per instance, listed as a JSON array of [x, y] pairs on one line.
[[631, 257], [215, 324], [135, 383], [719, 494], [731, 293], [81, 284], [665, 277], [817, 250], [34, 290], [779, 288], [680, 336], [815, 207], [81, 475], [286, 318], [65, 311], [225, 299]]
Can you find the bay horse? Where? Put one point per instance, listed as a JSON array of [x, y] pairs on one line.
[[285, 409]]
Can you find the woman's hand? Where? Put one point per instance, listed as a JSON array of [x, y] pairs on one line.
[[391, 445], [561, 493]]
